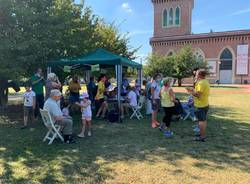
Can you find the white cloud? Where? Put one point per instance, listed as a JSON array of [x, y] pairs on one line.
[[126, 7], [240, 12]]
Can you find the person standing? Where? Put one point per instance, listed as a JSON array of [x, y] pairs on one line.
[[155, 99], [29, 103], [201, 102], [52, 83], [168, 103], [74, 88], [100, 98], [91, 88], [37, 81]]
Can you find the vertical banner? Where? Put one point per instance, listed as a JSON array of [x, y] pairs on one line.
[[242, 60]]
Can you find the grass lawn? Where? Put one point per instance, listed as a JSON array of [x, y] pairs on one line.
[[132, 152]]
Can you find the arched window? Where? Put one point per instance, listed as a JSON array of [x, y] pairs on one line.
[[177, 16], [199, 55], [165, 18], [171, 16], [226, 60]]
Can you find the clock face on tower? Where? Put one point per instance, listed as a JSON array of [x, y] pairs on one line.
[[172, 17]]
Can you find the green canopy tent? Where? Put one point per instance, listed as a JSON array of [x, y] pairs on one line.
[[100, 57]]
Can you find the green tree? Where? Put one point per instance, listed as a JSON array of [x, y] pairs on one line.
[[178, 66], [185, 63], [32, 32], [159, 64]]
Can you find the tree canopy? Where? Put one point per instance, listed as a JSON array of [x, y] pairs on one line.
[[32, 32], [35, 31], [180, 65]]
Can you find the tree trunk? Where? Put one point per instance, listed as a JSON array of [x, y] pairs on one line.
[[3, 92], [179, 82]]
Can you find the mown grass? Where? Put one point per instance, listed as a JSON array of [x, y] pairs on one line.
[[132, 152]]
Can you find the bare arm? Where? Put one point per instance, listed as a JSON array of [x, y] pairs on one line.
[[152, 92], [171, 93], [83, 105], [35, 82], [56, 85], [34, 102], [58, 118]]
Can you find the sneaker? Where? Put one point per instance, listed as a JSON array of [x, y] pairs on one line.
[[89, 134], [68, 139], [81, 135], [162, 127], [168, 133], [200, 139], [24, 127]]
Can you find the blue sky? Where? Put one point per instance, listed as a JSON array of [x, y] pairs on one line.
[[136, 17]]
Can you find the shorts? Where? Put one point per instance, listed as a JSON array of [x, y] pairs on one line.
[[201, 113], [157, 105], [28, 111], [86, 118]]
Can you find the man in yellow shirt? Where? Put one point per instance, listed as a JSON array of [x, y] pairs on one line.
[[201, 94]]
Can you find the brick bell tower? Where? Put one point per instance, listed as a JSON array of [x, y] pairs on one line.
[[172, 17]]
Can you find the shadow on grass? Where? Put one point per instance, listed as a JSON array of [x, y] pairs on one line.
[[25, 158]]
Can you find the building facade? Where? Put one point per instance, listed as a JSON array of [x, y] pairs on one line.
[[227, 53]]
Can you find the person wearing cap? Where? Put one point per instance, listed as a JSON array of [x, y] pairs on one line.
[[51, 105], [201, 103], [85, 104]]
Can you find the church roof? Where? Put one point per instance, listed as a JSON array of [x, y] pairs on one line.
[[202, 36]]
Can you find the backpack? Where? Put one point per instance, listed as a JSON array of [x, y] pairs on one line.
[[113, 116]]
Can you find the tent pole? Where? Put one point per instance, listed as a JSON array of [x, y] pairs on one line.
[[119, 81], [140, 77]]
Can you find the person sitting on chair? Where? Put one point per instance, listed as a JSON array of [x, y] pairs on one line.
[[131, 101], [51, 105]]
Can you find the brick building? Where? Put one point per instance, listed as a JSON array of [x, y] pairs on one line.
[[226, 52]]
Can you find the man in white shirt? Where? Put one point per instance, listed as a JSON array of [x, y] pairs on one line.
[[155, 99], [131, 101], [56, 114]]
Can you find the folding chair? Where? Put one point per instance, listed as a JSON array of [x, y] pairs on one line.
[[53, 130], [137, 109]]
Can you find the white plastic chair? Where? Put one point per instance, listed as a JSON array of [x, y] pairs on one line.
[[137, 109], [53, 130]]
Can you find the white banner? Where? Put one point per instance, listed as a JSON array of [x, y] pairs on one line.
[[242, 60]]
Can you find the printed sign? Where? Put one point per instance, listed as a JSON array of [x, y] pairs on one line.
[[242, 60]]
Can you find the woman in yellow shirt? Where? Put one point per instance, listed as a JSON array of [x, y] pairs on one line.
[[100, 101], [74, 88], [168, 104]]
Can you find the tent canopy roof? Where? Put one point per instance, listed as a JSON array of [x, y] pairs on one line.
[[99, 56]]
